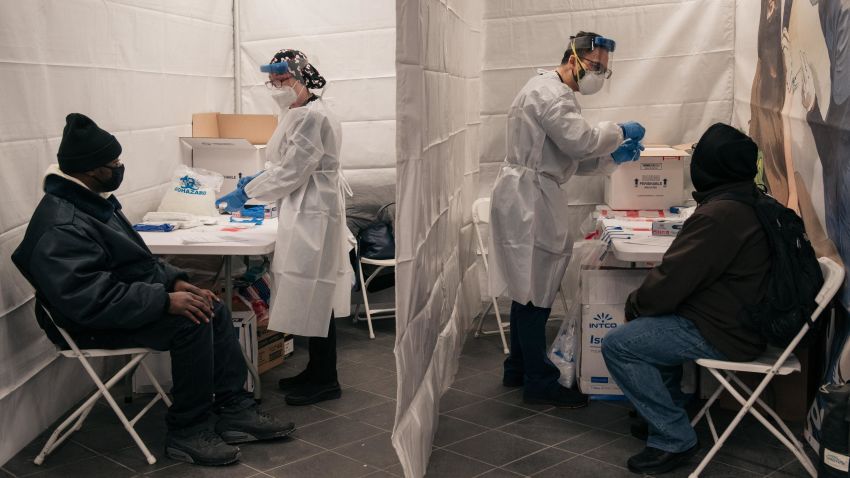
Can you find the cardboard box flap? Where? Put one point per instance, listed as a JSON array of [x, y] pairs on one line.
[[205, 125], [662, 151], [219, 143], [256, 129]]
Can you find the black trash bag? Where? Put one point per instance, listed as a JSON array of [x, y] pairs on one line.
[[834, 453], [377, 240]]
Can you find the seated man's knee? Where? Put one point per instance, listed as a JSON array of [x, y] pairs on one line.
[[613, 342]]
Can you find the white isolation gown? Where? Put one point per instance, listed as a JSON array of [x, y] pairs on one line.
[[548, 141], [311, 271]]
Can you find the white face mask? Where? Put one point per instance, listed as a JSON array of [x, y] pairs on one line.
[[590, 83], [285, 97]]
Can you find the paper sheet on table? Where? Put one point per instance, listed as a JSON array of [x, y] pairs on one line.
[[659, 241], [213, 237]]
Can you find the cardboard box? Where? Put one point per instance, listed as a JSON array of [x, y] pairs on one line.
[[232, 145], [654, 182], [603, 299], [271, 350], [667, 227]]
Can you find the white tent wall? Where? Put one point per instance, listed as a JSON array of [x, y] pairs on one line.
[[352, 44], [673, 70], [438, 67], [139, 68]]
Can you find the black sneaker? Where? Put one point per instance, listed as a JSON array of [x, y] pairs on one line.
[[560, 397], [314, 393], [250, 424], [289, 383], [203, 447], [652, 461]]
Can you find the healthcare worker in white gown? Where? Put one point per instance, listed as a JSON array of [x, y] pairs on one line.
[[311, 271], [548, 141]]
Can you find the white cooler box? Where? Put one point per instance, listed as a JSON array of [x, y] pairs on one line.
[[159, 363], [655, 182], [603, 298]]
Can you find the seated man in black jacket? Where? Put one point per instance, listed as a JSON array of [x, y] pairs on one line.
[[100, 282], [687, 307]]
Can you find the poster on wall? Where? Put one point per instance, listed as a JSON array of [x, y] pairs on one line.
[[797, 101]]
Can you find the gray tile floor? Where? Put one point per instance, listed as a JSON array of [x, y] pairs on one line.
[[485, 431]]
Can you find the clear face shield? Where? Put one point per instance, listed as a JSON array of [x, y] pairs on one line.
[[594, 64]]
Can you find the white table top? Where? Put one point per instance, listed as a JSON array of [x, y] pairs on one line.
[[258, 240], [641, 245]]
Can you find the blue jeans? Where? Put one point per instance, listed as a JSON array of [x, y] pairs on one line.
[[645, 358]]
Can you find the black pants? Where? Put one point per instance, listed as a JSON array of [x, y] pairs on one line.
[[529, 358], [322, 365], [207, 367]]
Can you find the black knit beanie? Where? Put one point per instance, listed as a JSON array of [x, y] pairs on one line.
[[85, 146], [723, 155]]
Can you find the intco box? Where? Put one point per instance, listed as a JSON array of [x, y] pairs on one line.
[[656, 181], [603, 299], [232, 145]]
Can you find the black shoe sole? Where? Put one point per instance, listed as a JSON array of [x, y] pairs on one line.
[[543, 401], [310, 400], [670, 465], [180, 455], [236, 437]]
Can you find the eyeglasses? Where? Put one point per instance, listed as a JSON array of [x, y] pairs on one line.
[[274, 84], [598, 68]]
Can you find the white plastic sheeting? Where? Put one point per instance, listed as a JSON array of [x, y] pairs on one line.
[[139, 68], [673, 68], [438, 66], [352, 44]]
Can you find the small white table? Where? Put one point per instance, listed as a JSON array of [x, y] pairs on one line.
[[255, 241]]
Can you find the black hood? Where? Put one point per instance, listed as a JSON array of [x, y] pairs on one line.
[[723, 155]]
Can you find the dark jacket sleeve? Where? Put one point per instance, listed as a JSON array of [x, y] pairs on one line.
[[70, 270], [698, 256], [172, 274]]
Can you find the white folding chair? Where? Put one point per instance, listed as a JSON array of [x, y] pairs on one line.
[[481, 215], [771, 363], [364, 285], [76, 419]]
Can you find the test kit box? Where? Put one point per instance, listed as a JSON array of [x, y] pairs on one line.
[[655, 182], [232, 145], [603, 298], [273, 348], [667, 227]]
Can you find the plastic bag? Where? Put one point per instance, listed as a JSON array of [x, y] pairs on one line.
[[565, 346], [192, 191]]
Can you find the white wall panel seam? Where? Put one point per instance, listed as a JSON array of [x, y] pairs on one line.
[[116, 68], [295, 38], [618, 60], [581, 10], [168, 14], [111, 131], [332, 80]]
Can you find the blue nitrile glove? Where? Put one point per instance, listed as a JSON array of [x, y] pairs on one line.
[[232, 201], [633, 130], [244, 180], [628, 151]]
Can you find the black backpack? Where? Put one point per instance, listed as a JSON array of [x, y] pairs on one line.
[[794, 278]]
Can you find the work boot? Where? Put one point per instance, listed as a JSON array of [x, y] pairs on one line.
[[314, 393], [242, 425], [652, 461], [559, 396], [200, 447], [290, 383]]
